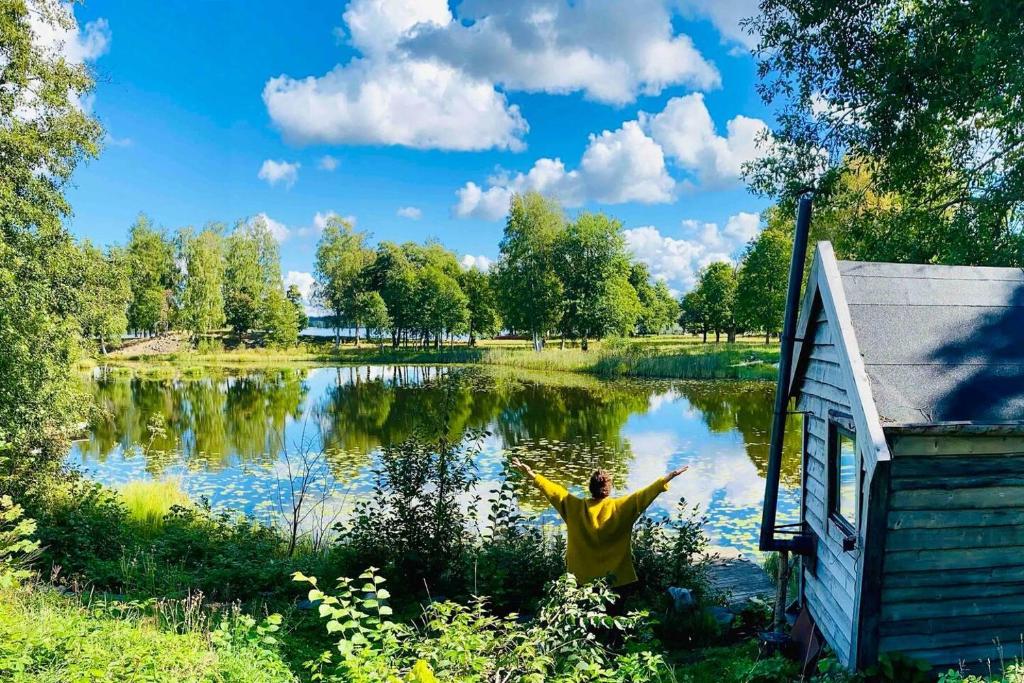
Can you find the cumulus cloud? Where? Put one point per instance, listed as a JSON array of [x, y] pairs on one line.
[[77, 45], [413, 213], [386, 98], [479, 262], [677, 260], [685, 131], [618, 166], [275, 172], [610, 50], [327, 163], [278, 229], [726, 17]]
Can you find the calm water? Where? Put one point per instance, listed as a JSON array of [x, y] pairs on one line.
[[227, 435]]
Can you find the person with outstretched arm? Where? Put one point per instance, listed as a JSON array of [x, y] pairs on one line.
[[600, 527]]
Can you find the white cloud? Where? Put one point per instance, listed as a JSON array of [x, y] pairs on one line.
[[678, 260], [327, 163], [726, 15], [76, 45], [278, 229], [610, 50], [618, 166], [413, 213], [479, 262], [686, 133], [387, 98], [112, 141], [275, 172], [320, 221]]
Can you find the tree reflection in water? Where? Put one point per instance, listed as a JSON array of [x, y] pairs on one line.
[[226, 430]]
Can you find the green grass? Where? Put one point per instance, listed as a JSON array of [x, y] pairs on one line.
[[667, 356], [46, 637], [148, 501]]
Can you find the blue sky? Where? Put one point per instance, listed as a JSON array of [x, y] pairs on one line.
[[428, 116]]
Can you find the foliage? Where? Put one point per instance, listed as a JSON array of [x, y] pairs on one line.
[[47, 637], [201, 309], [529, 290], [252, 276], [716, 287], [592, 264], [481, 303], [104, 294], [341, 257], [373, 312], [761, 289], [467, 643], [153, 275], [281, 321], [294, 296], [44, 133], [673, 551], [16, 543], [904, 118], [658, 309]]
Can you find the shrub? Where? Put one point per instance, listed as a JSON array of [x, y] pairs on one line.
[[16, 543], [454, 642]]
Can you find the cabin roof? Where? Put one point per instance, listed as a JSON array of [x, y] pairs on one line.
[[941, 345]]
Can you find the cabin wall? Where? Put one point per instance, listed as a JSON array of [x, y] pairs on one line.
[[953, 569], [829, 589]]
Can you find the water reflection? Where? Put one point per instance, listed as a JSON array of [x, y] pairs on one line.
[[224, 433]]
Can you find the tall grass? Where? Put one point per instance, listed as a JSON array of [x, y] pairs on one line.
[[149, 501]]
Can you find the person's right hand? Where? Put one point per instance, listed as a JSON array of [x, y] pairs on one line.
[[675, 473]]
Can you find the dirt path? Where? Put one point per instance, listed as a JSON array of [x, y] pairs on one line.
[[151, 346]]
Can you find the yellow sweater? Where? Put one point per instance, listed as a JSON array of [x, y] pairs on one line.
[[600, 531]]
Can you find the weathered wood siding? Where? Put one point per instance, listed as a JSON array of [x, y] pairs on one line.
[[830, 589], [953, 571]]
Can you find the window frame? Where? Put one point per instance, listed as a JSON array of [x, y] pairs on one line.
[[841, 425]]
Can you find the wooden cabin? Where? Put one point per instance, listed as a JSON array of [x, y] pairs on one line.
[[911, 382]]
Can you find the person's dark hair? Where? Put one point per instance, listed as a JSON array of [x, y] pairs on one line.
[[600, 484]]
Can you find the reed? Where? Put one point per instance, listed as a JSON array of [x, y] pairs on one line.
[[149, 501]]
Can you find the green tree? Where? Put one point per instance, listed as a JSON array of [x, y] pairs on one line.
[[442, 303], [717, 289], [905, 117], [481, 302], [104, 294], [693, 314], [153, 275], [44, 134], [374, 314], [279, 318], [658, 308], [529, 291], [252, 277], [393, 276], [592, 264], [341, 257], [202, 299], [294, 296], [762, 281]]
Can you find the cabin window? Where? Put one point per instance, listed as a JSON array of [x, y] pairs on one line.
[[844, 501]]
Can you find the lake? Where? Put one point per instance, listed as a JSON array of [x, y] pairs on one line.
[[232, 435]]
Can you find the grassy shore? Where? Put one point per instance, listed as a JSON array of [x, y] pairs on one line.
[[669, 356]]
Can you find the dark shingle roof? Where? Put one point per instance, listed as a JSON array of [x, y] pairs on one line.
[[940, 343]]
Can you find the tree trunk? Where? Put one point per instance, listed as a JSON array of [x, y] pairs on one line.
[[731, 338], [705, 341], [767, 337], [584, 344], [718, 335], [536, 342], [357, 334], [783, 589], [337, 335]]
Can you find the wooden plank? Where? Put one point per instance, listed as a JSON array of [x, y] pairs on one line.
[[949, 519], [956, 483], [955, 577], [934, 626], [969, 499], [825, 371], [869, 603], [944, 560], [741, 581], [834, 623], [951, 659], [954, 638], [957, 465], [956, 538], [953, 445], [954, 609], [954, 591], [830, 392]]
